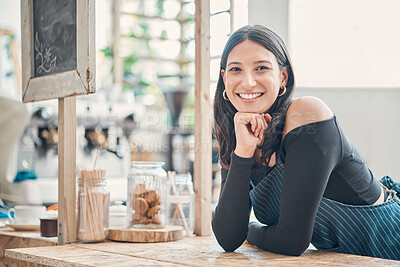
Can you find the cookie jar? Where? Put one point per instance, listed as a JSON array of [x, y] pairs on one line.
[[147, 192]]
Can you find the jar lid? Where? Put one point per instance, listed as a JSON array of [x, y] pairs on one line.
[[183, 178], [147, 164], [50, 214]]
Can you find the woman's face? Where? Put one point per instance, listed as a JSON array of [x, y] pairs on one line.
[[252, 77]]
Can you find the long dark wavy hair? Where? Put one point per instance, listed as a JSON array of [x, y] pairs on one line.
[[224, 111]]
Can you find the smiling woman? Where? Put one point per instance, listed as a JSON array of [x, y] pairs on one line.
[[267, 70], [291, 162], [253, 82]]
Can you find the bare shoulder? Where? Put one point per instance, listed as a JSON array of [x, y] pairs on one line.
[[305, 110]]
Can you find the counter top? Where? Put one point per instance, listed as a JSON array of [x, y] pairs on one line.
[[10, 239], [190, 251]]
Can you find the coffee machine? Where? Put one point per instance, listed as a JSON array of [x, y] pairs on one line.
[[104, 127], [180, 152]]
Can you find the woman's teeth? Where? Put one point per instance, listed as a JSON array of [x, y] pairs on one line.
[[250, 96]]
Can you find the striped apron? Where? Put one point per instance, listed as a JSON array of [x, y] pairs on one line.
[[368, 230]]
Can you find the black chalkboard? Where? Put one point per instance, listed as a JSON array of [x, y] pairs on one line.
[[54, 29]]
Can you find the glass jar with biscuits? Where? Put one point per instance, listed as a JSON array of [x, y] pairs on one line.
[[147, 191]]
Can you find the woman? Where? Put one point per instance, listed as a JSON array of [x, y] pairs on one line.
[[290, 161]]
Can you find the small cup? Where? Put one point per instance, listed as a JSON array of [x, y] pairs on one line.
[[26, 214], [48, 227]]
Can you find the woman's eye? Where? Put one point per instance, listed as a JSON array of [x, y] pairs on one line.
[[234, 69], [262, 68]]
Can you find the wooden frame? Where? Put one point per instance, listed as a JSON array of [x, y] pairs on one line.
[[74, 82], [202, 128]]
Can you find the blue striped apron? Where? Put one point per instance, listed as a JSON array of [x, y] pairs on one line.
[[368, 230]]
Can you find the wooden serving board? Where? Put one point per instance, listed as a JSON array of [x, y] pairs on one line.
[[169, 233]]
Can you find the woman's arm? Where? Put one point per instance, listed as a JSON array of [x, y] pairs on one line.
[[312, 152], [230, 222], [231, 218]]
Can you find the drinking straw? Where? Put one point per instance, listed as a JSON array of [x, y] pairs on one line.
[[95, 160]]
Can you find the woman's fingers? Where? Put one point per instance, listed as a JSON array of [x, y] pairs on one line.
[[249, 130], [266, 122], [258, 122], [254, 118], [260, 126], [267, 117], [265, 127], [253, 123]]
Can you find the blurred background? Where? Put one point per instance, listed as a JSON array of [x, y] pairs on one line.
[[343, 51]]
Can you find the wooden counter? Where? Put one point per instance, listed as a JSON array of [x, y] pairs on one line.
[[191, 251], [10, 239]]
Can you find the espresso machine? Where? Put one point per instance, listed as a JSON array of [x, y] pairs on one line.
[[104, 127], [180, 152]]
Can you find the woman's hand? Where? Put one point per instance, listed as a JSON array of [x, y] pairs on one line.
[[249, 130]]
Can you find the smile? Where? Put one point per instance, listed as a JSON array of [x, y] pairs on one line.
[[250, 96]]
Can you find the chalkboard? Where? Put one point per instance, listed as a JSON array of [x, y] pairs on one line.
[[57, 49], [54, 29]]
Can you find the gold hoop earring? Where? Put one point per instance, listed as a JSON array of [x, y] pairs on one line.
[[225, 96], [284, 91]]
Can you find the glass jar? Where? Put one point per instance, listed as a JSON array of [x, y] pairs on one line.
[[93, 206], [147, 190], [181, 202]]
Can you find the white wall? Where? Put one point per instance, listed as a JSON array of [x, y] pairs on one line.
[[358, 50], [272, 14], [370, 117]]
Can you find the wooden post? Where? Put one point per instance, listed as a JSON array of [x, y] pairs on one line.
[[67, 170], [202, 131], [117, 60]]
